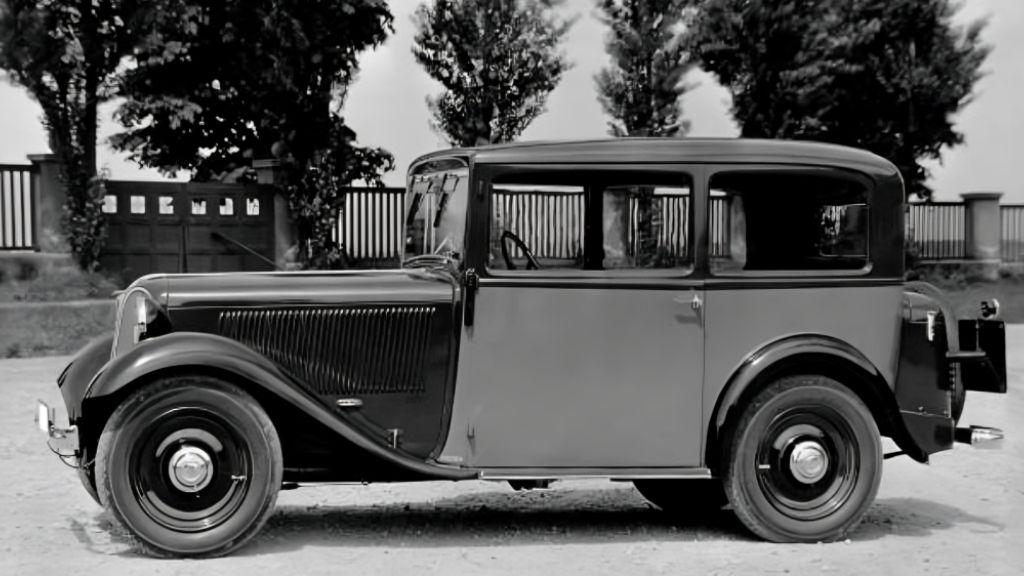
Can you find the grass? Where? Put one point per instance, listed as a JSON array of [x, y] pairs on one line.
[[53, 284], [52, 329], [56, 309], [50, 307], [966, 290]]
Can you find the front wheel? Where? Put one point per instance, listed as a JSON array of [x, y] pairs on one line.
[[190, 466], [804, 461]]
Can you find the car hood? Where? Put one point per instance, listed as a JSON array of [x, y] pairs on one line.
[[177, 291]]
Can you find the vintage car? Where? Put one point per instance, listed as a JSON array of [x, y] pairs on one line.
[[717, 321]]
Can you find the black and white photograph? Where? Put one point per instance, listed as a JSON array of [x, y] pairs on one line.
[[562, 287]]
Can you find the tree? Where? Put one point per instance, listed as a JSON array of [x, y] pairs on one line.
[[641, 88], [64, 53], [884, 75], [497, 60], [217, 83]]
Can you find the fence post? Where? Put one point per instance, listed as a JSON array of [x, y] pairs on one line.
[[269, 172], [48, 199], [984, 234]]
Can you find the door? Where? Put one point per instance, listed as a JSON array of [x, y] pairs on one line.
[[585, 346]]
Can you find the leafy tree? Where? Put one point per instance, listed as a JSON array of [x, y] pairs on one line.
[[64, 53], [218, 83], [641, 88], [884, 75], [497, 60]]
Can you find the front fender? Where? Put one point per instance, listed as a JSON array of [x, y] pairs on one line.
[[180, 351], [823, 354]]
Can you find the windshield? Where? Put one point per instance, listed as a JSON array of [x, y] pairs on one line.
[[435, 210]]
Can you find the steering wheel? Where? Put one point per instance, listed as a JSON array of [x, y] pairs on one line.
[[531, 262]]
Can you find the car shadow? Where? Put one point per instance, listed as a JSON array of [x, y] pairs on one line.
[[506, 518], [917, 517], [492, 518]]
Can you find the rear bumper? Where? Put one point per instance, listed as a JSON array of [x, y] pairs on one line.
[[980, 436]]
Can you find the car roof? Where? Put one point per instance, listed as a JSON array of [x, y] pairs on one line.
[[670, 150]]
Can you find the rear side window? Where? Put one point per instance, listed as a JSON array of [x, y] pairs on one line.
[[763, 221]]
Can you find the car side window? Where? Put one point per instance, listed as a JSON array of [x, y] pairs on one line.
[[584, 224], [779, 221]]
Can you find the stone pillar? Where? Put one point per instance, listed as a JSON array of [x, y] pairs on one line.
[[984, 231], [49, 196], [269, 172]]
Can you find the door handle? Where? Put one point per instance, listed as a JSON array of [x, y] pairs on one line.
[[471, 283], [694, 302]]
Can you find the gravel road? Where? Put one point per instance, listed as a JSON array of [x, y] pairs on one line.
[[962, 515]]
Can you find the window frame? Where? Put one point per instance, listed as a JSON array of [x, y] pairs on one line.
[[675, 175], [838, 173]]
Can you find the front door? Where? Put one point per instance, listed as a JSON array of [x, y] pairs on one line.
[[586, 343]]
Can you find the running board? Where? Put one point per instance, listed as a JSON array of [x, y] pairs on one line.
[[619, 474]]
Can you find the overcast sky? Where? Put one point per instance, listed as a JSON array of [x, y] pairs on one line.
[[387, 105]]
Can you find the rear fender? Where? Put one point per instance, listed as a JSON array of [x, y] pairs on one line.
[[180, 351], [823, 355]]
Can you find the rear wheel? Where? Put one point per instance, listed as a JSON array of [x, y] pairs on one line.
[[190, 466], [684, 497], [804, 461]]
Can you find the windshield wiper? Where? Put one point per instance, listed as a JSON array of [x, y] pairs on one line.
[[445, 195], [417, 199]]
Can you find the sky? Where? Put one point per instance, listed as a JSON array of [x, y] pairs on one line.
[[387, 105]]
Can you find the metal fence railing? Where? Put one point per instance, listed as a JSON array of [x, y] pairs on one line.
[[718, 227], [937, 230], [17, 208], [372, 225], [551, 223], [1011, 218]]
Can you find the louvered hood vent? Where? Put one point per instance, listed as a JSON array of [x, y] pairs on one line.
[[340, 351]]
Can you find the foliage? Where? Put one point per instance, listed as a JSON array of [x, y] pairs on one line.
[[641, 88], [497, 60], [64, 53], [218, 83], [884, 75], [37, 280]]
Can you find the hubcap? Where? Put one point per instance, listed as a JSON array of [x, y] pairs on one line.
[[808, 462], [190, 469]]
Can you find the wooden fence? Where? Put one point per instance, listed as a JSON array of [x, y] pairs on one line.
[[17, 208]]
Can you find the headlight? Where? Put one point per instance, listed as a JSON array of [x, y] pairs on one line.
[[139, 316]]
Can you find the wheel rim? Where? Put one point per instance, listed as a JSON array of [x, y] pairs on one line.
[[190, 472], [808, 462]]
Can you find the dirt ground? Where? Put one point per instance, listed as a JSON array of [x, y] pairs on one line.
[[963, 514]]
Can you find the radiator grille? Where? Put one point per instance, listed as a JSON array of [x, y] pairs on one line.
[[339, 351]]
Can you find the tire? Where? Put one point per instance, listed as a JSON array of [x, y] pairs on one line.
[[190, 466], [87, 474], [958, 399], [820, 497], [684, 497]]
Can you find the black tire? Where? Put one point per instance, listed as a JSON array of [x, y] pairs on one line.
[[87, 474], [698, 496], [209, 508], [958, 399], [803, 462]]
